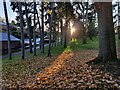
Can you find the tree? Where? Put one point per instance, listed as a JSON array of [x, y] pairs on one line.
[[118, 20], [28, 26], [22, 31], [39, 28], [82, 10], [50, 29], [34, 35], [107, 47], [66, 26], [116, 17], [7, 22], [65, 10], [42, 31], [91, 30], [61, 26]]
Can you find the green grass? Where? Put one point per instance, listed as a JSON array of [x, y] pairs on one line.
[[118, 43], [16, 58], [78, 46], [72, 46]]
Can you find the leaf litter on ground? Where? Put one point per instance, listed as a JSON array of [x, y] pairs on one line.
[[67, 70]]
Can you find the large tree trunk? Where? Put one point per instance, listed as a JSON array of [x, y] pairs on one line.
[[7, 22], [111, 32], [34, 34], [22, 31], [107, 48], [42, 31], [28, 25]]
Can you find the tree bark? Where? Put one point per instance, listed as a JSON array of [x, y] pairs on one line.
[[42, 31], [34, 34], [50, 29], [118, 20], [54, 32], [111, 32], [8, 32], [61, 26], [39, 28], [107, 48], [28, 25], [119, 32], [58, 34], [66, 26], [22, 31]]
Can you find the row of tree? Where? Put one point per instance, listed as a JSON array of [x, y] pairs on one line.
[[53, 15]]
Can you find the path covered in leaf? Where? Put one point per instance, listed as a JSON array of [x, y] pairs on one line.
[[68, 70]]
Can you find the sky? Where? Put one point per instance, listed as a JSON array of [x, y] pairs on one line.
[[11, 14]]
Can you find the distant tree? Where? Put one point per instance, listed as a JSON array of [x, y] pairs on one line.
[[14, 6], [14, 31], [7, 22], [67, 4], [81, 10], [116, 17], [91, 30]]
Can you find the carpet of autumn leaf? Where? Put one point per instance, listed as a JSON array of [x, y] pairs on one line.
[[68, 70]]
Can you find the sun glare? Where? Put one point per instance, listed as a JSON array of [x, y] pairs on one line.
[[72, 28], [72, 31]]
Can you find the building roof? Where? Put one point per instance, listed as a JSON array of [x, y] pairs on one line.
[[4, 37], [2, 23]]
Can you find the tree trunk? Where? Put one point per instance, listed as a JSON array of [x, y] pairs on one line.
[[39, 28], [54, 32], [66, 26], [50, 22], [28, 25], [61, 26], [7, 23], [111, 32], [22, 31], [68, 32], [107, 48], [118, 20], [42, 31], [84, 33], [84, 28], [119, 32], [58, 34], [34, 34]]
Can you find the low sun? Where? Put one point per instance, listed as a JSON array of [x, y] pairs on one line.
[[72, 30]]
